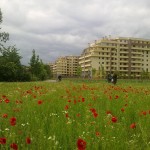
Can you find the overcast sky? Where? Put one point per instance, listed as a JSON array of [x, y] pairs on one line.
[[65, 27]]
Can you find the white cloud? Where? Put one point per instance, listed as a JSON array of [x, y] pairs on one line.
[[64, 27]]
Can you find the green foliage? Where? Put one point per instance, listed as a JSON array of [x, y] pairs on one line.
[[144, 75], [37, 68], [48, 71], [55, 115], [79, 71], [93, 71], [10, 66], [3, 35]]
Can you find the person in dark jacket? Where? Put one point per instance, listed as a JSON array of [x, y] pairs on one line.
[[109, 77], [59, 77], [114, 78]]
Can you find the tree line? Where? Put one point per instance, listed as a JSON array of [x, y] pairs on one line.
[[11, 68]]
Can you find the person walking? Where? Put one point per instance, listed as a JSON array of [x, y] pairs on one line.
[[59, 77], [109, 77], [114, 78]]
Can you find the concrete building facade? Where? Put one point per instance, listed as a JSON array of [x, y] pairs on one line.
[[127, 56], [66, 66]]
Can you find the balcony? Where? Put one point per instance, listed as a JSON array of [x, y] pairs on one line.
[[124, 56], [136, 56]]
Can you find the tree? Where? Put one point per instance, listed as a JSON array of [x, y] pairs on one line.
[[37, 68], [93, 71], [10, 66], [3, 35], [48, 70], [79, 71]]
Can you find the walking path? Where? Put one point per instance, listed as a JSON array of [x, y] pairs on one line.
[[51, 81]]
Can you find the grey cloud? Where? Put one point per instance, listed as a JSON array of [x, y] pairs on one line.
[[64, 27]]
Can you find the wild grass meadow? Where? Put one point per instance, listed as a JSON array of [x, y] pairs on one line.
[[75, 115]]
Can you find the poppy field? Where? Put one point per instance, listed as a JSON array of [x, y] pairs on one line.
[[71, 115]]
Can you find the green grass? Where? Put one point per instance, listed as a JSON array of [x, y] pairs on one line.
[[65, 115]]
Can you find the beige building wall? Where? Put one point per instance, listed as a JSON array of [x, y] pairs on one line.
[[66, 66], [128, 56]]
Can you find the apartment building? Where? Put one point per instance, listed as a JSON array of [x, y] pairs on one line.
[[127, 56], [66, 66]]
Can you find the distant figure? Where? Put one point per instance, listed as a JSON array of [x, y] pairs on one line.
[[114, 78], [109, 77], [59, 77]]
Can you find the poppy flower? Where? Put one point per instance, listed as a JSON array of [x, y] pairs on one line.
[[7, 100], [2, 140], [75, 101], [69, 101], [13, 121], [67, 115], [4, 115], [97, 133], [83, 99], [93, 110], [108, 112], [28, 140], [66, 107], [144, 113], [116, 97], [133, 125], [14, 146], [3, 96], [40, 102], [122, 109], [78, 115], [81, 144], [114, 119], [95, 114], [110, 97]]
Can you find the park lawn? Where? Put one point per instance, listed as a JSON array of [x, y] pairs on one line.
[[75, 115]]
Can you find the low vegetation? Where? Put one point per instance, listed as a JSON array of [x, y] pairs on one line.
[[70, 115]]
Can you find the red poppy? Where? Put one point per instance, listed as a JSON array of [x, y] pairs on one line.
[[67, 115], [4, 115], [95, 114], [75, 101], [108, 112], [133, 125], [78, 115], [122, 109], [93, 110], [2, 140], [81, 144], [126, 105], [144, 113], [14, 146], [7, 100], [40, 102], [66, 107], [97, 133], [114, 119], [110, 97], [116, 97], [83, 99], [13, 121], [34, 96], [3, 96], [28, 140]]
